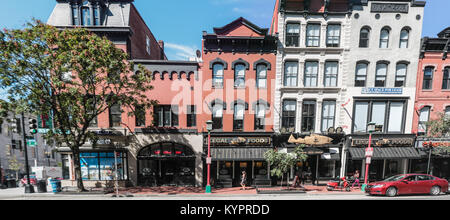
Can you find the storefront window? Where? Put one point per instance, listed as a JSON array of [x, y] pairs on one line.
[[101, 166]]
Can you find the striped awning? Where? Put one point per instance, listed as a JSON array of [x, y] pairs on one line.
[[381, 153], [238, 154]]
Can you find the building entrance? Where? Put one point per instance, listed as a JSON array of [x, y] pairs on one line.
[[166, 164]]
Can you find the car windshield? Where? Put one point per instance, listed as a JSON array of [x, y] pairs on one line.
[[394, 178]]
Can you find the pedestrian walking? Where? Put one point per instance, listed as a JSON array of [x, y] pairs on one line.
[[243, 179], [356, 178], [297, 178], [303, 177]]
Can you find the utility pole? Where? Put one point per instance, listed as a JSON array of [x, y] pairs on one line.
[[28, 187]]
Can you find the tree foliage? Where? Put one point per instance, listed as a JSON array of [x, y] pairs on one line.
[[73, 75], [440, 128], [281, 162]]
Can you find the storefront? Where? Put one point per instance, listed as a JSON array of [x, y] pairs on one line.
[[166, 164], [392, 155], [323, 161], [435, 157], [233, 153]]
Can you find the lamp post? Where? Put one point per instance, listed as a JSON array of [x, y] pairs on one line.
[[369, 153], [208, 159]]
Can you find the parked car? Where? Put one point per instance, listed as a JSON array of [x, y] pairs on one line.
[[33, 180], [408, 184]]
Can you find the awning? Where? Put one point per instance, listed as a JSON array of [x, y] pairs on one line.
[[238, 154], [381, 153]]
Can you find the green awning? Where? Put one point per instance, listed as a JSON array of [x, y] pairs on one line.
[[381, 153]]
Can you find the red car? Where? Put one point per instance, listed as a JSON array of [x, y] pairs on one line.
[[33, 180], [408, 184]]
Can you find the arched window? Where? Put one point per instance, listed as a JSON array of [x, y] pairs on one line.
[[404, 38], [428, 78], [364, 37], [380, 77], [260, 115], [239, 76], [217, 115], [384, 38], [446, 78], [400, 75], [217, 78], [261, 76], [361, 74]]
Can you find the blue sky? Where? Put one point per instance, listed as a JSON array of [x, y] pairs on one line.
[[180, 22]]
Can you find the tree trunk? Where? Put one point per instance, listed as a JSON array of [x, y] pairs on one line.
[[77, 169]]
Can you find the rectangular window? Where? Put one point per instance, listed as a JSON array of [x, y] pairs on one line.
[[428, 78], [238, 121], [217, 78], [311, 74], [97, 16], [85, 16], [140, 116], [166, 116], [360, 116], [115, 116], [380, 78], [333, 35], [446, 80], [148, 45], [290, 74], [328, 115], [388, 115], [75, 16], [101, 166], [289, 115], [292, 35], [239, 76], [260, 116], [312, 35], [400, 77], [217, 116], [423, 119], [331, 73], [308, 116], [191, 116]]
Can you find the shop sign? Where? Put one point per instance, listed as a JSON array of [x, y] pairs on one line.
[[381, 142], [426, 144], [389, 8], [238, 141], [388, 91]]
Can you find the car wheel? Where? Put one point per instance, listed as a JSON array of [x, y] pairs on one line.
[[391, 192], [435, 190]]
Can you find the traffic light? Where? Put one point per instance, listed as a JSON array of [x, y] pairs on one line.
[[15, 125], [33, 125]]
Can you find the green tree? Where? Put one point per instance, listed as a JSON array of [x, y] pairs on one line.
[[281, 162], [71, 74], [440, 128], [15, 165]]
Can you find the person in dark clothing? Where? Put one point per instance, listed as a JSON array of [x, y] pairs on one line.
[[297, 178]]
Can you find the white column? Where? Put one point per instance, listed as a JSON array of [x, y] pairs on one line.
[[298, 124]]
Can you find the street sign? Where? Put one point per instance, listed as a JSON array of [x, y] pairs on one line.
[[368, 160], [369, 152], [31, 143]]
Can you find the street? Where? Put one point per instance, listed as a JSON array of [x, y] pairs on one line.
[[18, 194]]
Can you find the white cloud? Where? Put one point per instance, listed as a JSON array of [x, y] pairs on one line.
[[180, 52]]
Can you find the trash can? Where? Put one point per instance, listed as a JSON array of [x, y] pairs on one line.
[[42, 186], [11, 183], [56, 185]]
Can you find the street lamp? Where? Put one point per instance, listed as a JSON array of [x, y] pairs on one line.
[[371, 127], [208, 159]]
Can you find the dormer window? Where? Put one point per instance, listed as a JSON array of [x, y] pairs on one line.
[[86, 14]]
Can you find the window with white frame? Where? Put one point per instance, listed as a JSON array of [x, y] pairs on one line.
[[313, 35], [328, 114], [381, 74], [239, 76], [423, 119], [364, 37], [331, 73], [290, 73], [333, 35], [217, 115], [292, 35], [428, 78], [311, 73], [217, 78], [361, 74], [404, 38], [389, 115], [261, 76], [400, 75], [289, 115], [260, 115], [238, 120], [446, 78], [384, 38]]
